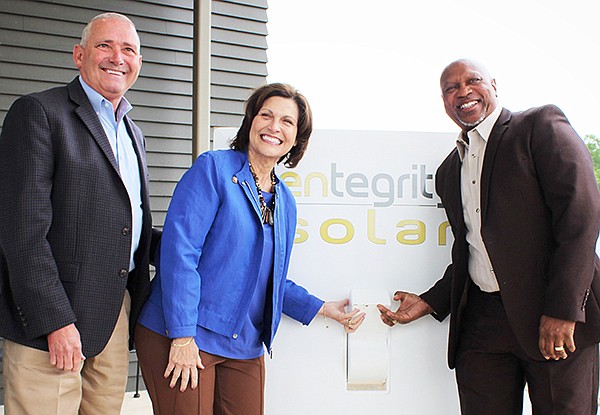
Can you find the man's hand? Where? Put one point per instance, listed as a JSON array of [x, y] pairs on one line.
[[64, 346], [556, 337], [412, 307]]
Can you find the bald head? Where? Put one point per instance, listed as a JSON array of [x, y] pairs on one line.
[[469, 92], [87, 30], [465, 63]]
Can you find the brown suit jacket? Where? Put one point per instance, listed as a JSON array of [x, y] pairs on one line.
[[540, 210], [65, 222]]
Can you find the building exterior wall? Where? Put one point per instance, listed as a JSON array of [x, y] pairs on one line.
[[36, 43]]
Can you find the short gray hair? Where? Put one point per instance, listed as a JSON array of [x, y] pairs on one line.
[[87, 30]]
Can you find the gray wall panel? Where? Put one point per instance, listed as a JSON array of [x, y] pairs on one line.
[[239, 79], [239, 52], [158, 145], [240, 11], [238, 25], [233, 38], [229, 92], [238, 66]]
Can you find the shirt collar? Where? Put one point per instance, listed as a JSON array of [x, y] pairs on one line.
[[484, 129], [99, 102]]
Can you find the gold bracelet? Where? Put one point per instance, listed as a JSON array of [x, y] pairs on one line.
[[182, 344]]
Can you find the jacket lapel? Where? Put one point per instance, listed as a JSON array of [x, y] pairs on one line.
[[140, 152], [139, 148], [453, 197], [490, 154], [91, 121]]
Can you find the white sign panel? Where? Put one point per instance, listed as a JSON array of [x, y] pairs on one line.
[[369, 221]]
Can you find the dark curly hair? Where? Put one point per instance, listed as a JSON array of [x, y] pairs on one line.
[[255, 103]]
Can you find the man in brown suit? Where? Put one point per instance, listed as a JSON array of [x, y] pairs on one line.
[[523, 287], [75, 232]]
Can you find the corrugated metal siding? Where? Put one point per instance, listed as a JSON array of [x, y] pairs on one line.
[[36, 43], [238, 65], [37, 39], [239, 57]]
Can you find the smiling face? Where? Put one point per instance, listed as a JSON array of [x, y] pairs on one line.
[[110, 61], [469, 93], [273, 131]]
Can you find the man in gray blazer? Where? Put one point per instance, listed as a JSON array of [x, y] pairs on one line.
[[523, 288], [75, 232]]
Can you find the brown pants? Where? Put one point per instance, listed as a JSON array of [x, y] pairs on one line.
[[492, 369], [226, 386], [33, 386]]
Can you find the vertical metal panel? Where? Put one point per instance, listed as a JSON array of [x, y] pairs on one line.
[[202, 77]]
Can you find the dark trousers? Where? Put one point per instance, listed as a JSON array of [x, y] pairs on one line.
[[492, 369], [226, 386]]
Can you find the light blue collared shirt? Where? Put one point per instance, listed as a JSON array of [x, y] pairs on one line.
[[122, 146]]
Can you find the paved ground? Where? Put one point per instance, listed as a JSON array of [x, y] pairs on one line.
[[131, 405], [137, 406], [143, 406]]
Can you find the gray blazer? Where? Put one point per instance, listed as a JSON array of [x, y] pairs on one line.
[[540, 212], [65, 222]]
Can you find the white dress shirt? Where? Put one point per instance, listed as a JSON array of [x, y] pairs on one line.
[[472, 154]]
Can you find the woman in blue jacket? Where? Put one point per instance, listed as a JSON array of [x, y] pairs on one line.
[[221, 283]]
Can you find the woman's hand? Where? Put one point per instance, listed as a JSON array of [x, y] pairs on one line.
[[184, 362], [336, 310]]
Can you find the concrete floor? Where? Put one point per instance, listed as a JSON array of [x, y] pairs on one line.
[[131, 405], [137, 406], [143, 406]]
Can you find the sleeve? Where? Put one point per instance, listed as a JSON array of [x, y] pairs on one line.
[[299, 304], [26, 178], [566, 176], [438, 296], [190, 216]]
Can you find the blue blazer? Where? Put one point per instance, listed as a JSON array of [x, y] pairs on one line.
[[211, 250]]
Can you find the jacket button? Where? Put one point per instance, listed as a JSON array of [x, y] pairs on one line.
[[125, 231], [234, 179], [235, 336], [123, 273]]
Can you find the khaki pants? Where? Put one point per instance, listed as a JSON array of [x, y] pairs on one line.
[[33, 386]]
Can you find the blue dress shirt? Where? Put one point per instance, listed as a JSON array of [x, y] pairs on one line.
[[122, 146]]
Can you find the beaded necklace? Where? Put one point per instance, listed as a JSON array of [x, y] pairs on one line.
[[266, 211]]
